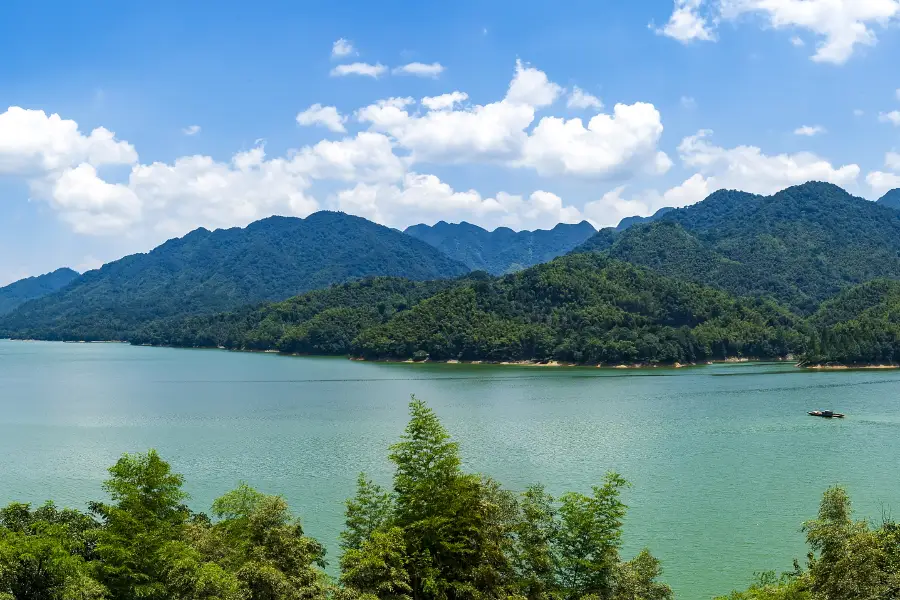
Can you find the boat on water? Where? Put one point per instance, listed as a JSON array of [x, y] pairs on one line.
[[826, 414]]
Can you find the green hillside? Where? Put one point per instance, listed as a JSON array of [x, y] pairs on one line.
[[583, 308], [206, 272], [15, 294]]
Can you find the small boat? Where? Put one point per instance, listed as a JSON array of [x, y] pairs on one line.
[[826, 414]]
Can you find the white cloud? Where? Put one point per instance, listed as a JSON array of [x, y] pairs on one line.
[[897, 93], [747, 168], [326, 116], [359, 68], [881, 182], [33, 143], [578, 98], [420, 69], [191, 130], [342, 48], [809, 130], [427, 199], [531, 87], [892, 117], [892, 161], [613, 207], [93, 206], [843, 25], [609, 145], [494, 131], [798, 41], [686, 24], [444, 101], [688, 102]]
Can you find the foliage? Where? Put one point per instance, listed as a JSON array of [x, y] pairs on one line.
[[207, 272], [583, 308], [503, 250], [19, 292], [798, 247], [860, 326]]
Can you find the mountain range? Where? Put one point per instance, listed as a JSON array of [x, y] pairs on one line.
[[767, 265], [502, 250], [210, 271], [15, 294]]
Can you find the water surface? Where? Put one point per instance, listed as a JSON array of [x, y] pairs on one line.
[[724, 462]]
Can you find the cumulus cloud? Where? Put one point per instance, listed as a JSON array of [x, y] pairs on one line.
[[609, 145], [578, 98], [882, 182], [809, 130], [686, 23], [191, 130], [797, 41], [613, 206], [420, 69], [33, 143], [326, 116], [342, 48], [747, 168], [93, 206], [427, 199], [892, 117], [892, 161], [532, 87], [841, 25], [359, 68], [444, 101]]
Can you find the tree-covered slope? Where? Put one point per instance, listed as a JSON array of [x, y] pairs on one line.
[[212, 271], [891, 199], [860, 326], [800, 246], [503, 250], [15, 294], [584, 308], [629, 221]]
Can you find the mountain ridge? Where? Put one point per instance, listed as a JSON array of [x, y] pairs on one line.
[[205, 272], [501, 250], [19, 292]]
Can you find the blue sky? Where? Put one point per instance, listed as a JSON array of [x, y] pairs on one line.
[[200, 103]]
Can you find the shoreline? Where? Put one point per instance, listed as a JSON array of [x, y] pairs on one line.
[[509, 363]]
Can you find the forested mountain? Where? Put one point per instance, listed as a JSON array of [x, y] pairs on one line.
[[799, 246], [211, 271], [860, 326], [503, 250], [24, 290], [891, 199], [583, 308], [629, 221]]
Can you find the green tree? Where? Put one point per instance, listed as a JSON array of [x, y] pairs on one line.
[[589, 539], [369, 511], [146, 514], [637, 579]]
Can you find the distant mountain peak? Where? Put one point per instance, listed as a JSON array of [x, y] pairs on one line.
[[891, 199], [502, 250]]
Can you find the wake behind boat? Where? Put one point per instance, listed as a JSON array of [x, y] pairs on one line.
[[826, 414]]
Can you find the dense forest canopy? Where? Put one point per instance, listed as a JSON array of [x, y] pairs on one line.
[[584, 308], [212, 271], [15, 294], [503, 250], [799, 247], [891, 199]]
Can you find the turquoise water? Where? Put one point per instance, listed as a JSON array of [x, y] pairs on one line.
[[724, 461]]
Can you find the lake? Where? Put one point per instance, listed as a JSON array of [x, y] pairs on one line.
[[724, 461]]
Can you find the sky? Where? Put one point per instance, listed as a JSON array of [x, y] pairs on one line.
[[126, 124]]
